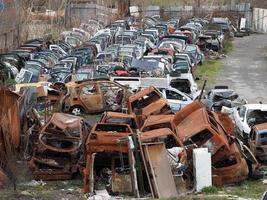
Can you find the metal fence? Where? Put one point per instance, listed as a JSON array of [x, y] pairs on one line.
[[81, 12], [233, 12], [260, 20]]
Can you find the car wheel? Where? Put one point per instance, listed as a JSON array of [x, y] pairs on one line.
[[76, 110]]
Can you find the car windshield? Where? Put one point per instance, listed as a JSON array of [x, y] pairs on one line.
[[83, 76], [104, 57], [182, 67], [59, 76], [191, 49], [256, 117]]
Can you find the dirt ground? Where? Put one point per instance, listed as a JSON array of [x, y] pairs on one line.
[[245, 69]]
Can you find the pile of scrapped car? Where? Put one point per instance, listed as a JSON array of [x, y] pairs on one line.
[[142, 80]]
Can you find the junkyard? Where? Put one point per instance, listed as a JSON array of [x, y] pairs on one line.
[[133, 99]]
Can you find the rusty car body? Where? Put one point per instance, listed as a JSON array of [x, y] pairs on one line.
[[57, 153], [13, 121], [92, 96], [158, 122], [147, 102], [105, 139], [120, 118], [198, 127], [258, 141]]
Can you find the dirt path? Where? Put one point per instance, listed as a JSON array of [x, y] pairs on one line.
[[245, 69]]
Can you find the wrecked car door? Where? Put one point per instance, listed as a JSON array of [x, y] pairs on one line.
[[91, 97], [252, 141], [113, 95], [239, 119], [175, 99]]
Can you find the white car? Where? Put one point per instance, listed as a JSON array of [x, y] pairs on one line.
[[176, 99], [248, 115]]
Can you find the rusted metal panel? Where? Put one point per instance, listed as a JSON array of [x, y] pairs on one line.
[[104, 137], [227, 123], [186, 111], [156, 134], [121, 183], [258, 141], [198, 127], [58, 151], [62, 129], [103, 95], [230, 169], [120, 118], [147, 102], [158, 121], [9, 102], [163, 181]]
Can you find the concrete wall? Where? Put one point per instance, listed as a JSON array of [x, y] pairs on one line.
[[260, 20]]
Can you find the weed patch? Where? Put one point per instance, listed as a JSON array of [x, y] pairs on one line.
[[210, 190], [228, 46], [208, 71]]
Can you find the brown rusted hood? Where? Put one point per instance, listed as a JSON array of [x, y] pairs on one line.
[[157, 119], [154, 108], [157, 133]]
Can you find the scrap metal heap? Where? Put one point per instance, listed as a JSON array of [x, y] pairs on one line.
[[197, 127], [192, 127], [13, 120], [58, 152], [139, 152]]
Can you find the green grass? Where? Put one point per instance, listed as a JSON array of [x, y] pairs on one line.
[[228, 46], [70, 189], [248, 189], [210, 190], [208, 71]]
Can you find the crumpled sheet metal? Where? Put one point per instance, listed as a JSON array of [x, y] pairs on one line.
[[59, 129], [147, 102], [104, 138], [231, 174], [156, 134], [57, 153], [9, 115], [195, 124], [107, 140], [51, 169]]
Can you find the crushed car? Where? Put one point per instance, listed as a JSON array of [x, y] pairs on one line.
[[107, 153], [222, 96], [148, 101], [197, 127], [258, 141], [248, 115], [94, 96], [58, 150]]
